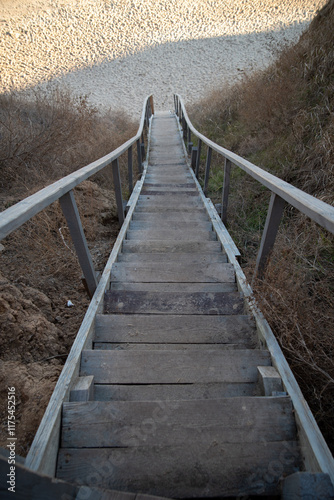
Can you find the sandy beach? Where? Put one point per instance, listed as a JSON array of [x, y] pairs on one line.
[[116, 52]]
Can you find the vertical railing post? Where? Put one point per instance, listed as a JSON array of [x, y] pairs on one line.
[[152, 105], [274, 215], [71, 213], [130, 170], [189, 138], [207, 169], [139, 157], [198, 159], [226, 189], [118, 191], [142, 146], [193, 158]]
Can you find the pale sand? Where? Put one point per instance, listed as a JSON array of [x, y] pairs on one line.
[[118, 52]]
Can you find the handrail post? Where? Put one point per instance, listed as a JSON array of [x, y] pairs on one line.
[[274, 215], [118, 191], [142, 146], [226, 189], [198, 159], [189, 138], [139, 157], [130, 170], [71, 213], [193, 158], [207, 169], [151, 105]]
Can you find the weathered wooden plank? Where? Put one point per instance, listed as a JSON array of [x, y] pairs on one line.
[[147, 367], [118, 423], [173, 303], [199, 471], [169, 185], [147, 207], [172, 272], [172, 246], [173, 287], [196, 258], [168, 224], [108, 346], [269, 380], [174, 215], [174, 392], [185, 193], [83, 389], [179, 328], [171, 234], [71, 213]]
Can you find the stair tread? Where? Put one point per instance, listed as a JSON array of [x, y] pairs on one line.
[[184, 471], [175, 328], [177, 422], [173, 366], [173, 272]]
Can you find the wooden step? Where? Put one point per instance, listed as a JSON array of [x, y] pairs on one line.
[[172, 216], [175, 328], [201, 303], [173, 367], [197, 470], [171, 246], [197, 259], [117, 424], [172, 392], [147, 207], [111, 346], [217, 272], [171, 234], [169, 185], [170, 225], [173, 287]]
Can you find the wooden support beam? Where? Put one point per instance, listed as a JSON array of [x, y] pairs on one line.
[[118, 191], [207, 170], [198, 159], [189, 148], [140, 168], [226, 189], [71, 213], [83, 389], [269, 380], [189, 137], [194, 152], [151, 104], [130, 170], [274, 215]]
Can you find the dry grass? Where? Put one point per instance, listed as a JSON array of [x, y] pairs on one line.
[[41, 141], [282, 119]]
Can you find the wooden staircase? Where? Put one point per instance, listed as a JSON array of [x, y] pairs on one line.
[[181, 401]]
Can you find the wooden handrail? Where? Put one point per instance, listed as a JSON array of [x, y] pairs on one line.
[[319, 211], [62, 190], [12, 218]]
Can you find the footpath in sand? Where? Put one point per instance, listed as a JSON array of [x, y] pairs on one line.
[[119, 51]]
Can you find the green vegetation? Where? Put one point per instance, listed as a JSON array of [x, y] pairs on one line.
[[282, 119]]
